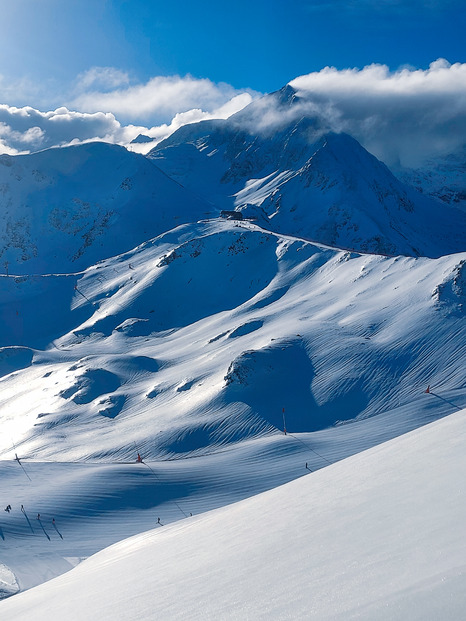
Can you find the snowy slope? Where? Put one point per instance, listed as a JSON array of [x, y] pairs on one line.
[[189, 346], [120, 333], [62, 210], [199, 339], [296, 179], [377, 536]]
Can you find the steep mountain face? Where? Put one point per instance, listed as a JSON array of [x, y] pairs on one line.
[[63, 209], [296, 179]]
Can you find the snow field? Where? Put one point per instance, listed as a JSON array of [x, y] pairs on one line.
[[138, 362], [97, 504], [151, 365], [378, 535], [195, 348]]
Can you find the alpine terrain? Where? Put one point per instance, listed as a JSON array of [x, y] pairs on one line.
[[238, 361]]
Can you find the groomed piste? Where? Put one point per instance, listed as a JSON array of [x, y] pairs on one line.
[[377, 536]]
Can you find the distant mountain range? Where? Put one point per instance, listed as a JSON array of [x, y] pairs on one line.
[[64, 209], [443, 178]]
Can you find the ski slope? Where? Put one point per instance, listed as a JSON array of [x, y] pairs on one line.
[[379, 535], [129, 325], [96, 504], [199, 338], [187, 349]]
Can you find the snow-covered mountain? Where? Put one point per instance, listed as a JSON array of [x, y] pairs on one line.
[[191, 345], [296, 179], [135, 320], [64, 209], [200, 337]]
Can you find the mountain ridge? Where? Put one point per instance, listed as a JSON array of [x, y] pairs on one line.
[[298, 179], [191, 322]]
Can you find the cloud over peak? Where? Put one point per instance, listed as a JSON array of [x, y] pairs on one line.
[[400, 116], [158, 99]]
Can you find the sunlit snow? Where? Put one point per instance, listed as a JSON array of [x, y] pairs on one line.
[[234, 359]]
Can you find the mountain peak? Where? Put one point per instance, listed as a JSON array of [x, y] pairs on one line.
[[141, 139], [321, 186], [286, 95]]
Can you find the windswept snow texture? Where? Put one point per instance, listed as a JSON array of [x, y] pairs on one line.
[[293, 178], [204, 343], [201, 337], [377, 536], [64, 209]]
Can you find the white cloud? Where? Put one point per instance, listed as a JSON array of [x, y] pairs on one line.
[[6, 148], [159, 99], [160, 132], [105, 105], [104, 78], [402, 116], [31, 136], [24, 129]]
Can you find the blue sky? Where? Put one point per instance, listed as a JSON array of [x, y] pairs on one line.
[[247, 43], [110, 69]]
